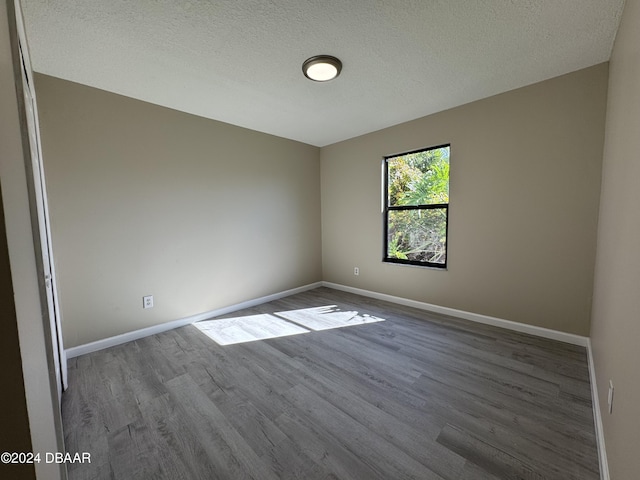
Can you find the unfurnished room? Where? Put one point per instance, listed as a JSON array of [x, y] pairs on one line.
[[338, 240]]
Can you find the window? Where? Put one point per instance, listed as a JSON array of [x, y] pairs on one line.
[[416, 210]]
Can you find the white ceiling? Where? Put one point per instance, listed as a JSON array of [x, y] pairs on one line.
[[239, 61]]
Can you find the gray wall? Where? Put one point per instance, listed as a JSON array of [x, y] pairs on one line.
[[525, 179], [145, 200], [616, 307]]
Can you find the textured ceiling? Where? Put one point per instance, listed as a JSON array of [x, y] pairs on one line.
[[239, 61]]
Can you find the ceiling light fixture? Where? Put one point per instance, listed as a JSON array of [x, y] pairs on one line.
[[321, 68]]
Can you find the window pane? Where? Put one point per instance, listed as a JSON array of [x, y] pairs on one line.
[[420, 178], [418, 235]]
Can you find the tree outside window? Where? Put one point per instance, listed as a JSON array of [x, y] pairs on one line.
[[417, 207]]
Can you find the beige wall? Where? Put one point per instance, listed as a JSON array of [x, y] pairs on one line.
[[525, 178], [145, 200], [616, 307], [238, 216]]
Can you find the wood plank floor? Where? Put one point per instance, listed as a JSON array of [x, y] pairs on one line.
[[418, 396]]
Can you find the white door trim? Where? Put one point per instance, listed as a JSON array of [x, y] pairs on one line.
[[41, 206]]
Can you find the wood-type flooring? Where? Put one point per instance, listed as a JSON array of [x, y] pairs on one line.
[[417, 396]]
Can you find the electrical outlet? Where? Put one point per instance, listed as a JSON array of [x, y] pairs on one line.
[[147, 301], [610, 397], [356, 271]]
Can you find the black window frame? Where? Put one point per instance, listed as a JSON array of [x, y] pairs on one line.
[[433, 206]]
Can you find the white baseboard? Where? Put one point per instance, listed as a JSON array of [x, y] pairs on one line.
[[597, 417], [474, 317], [163, 327]]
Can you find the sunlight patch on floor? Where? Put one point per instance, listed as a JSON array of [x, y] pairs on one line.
[[325, 318], [229, 331]]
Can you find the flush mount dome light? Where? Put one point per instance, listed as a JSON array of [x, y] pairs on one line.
[[322, 68]]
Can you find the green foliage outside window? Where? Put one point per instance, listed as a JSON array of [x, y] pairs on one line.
[[417, 207]]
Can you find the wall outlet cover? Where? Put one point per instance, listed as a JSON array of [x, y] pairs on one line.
[[147, 301]]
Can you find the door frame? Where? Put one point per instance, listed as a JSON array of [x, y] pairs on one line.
[[38, 201], [23, 242]]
